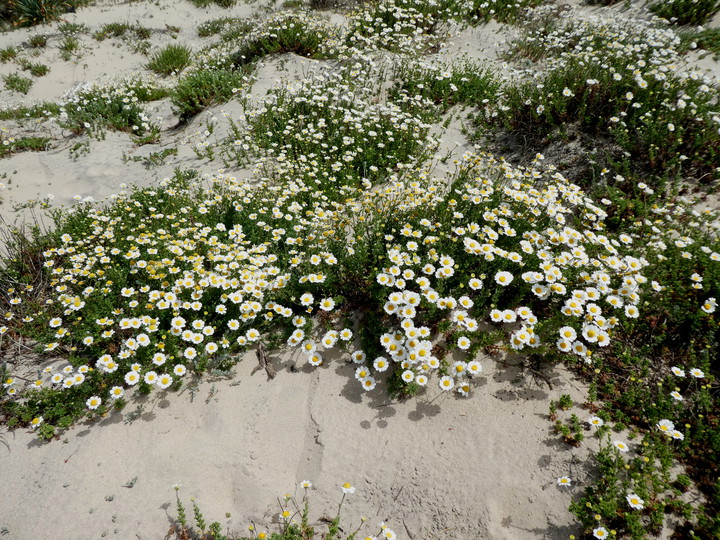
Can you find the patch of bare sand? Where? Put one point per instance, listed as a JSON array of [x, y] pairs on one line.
[[432, 467]]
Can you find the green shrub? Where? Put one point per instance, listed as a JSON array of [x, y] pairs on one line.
[[95, 108], [201, 89], [443, 86], [41, 110], [707, 39], [683, 12], [284, 33], [663, 126], [171, 59], [411, 26], [32, 12]]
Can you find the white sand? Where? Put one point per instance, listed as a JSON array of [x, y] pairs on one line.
[[432, 467]]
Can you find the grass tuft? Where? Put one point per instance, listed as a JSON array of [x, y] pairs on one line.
[[204, 88], [170, 60]]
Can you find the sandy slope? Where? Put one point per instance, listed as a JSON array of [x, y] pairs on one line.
[[432, 467]]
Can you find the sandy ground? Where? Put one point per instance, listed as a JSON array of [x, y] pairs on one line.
[[432, 467]]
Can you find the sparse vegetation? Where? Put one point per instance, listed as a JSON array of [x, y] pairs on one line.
[[209, 3], [69, 48], [216, 26], [7, 54], [17, 83], [36, 69], [37, 41], [122, 30]]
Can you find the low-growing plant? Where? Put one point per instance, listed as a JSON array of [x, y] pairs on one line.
[[707, 39], [69, 47], [37, 41], [36, 69], [171, 59], [32, 12], [208, 3], [124, 30], [203, 88], [11, 145], [444, 86], [293, 521], [7, 54], [630, 495], [505, 11], [408, 26], [285, 33], [41, 110], [216, 26], [660, 127], [95, 108], [72, 29], [682, 12], [17, 83]]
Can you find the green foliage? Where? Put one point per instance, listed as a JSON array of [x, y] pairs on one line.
[[124, 30], [40, 110], [662, 127], [293, 523], [94, 109], [565, 402], [36, 69], [69, 47], [24, 144], [410, 26], [32, 12], [284, 33], [72, 29], [643, 480], [37, 41], [208, 3], [505, 11], [707, 39], [17, 83], [297, 111], [690, 12], [170, 60], [217, 26], [444, 86], [7, 54], [203, 88]]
